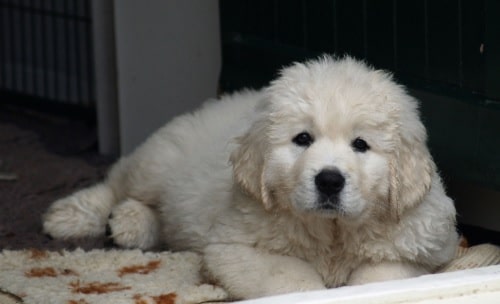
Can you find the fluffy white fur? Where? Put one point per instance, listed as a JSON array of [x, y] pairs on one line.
[[229, 181]]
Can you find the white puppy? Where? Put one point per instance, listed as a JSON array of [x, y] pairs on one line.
[[320, 180]]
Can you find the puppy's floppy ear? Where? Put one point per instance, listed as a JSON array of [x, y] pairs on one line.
[[248, 160], [411, 168]]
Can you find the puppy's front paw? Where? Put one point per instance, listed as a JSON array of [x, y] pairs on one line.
[[133, 225], [384, 271], [72, 217], [246, 272]]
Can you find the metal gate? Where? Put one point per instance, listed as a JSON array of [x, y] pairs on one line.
[[46, 50]]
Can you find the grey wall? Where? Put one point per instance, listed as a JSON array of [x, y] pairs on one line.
[[105, 77], [168, 62]]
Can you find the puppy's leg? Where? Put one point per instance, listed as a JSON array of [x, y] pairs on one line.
[[384, 271], [134, 225], [246, 272], [81, 214]]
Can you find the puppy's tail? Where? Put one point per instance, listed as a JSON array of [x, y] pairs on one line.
[[81, 214]]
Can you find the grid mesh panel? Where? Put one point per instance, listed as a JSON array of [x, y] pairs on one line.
[[46, 51]]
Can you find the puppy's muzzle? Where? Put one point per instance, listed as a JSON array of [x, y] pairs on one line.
[[329, 183]]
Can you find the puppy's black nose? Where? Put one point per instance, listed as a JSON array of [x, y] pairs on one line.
[[329, 182]]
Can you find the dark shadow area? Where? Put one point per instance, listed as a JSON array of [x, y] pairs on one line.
[[43, 157]]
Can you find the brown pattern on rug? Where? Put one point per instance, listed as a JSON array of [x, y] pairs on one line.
[[105, 276]]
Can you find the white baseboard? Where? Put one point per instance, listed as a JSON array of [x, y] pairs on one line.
[[479, 285]]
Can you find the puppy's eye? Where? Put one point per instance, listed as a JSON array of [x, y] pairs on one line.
[[303, 139], [360, 145]]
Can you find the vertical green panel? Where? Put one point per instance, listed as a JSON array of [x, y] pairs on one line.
[[489, 145], [473, 19], [492, 49], [320, 25], [410, 37], [231, 13], [259, 19], [452, 127], [380, 30], [443, 40], [350, 28], [289, 22]]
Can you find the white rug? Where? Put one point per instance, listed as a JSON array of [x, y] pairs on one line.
[[116, 276], [132, 276]]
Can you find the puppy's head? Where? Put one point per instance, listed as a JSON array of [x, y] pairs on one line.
[[337, 139]]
